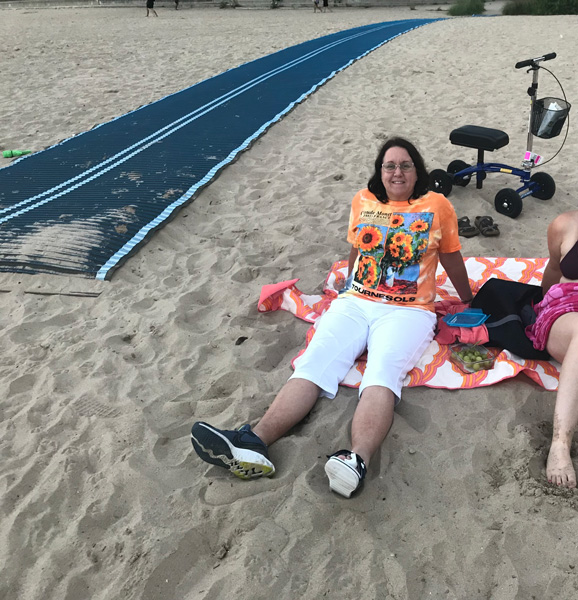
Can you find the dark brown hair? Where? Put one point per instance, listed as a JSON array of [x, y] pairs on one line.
[[375, 185]]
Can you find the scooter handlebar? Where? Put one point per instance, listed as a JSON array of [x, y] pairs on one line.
[[532, 62]]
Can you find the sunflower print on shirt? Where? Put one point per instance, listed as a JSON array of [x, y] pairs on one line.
[[390, 256]]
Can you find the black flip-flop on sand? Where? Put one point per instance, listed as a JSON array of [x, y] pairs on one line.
[[487, 226], [466, 229]]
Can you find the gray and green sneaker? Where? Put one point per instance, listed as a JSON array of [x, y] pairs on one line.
[[241, 451]]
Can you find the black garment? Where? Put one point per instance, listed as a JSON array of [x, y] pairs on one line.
[[569, 264], [510, 306]]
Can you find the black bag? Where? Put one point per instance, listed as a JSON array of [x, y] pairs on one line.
[[510, 305]]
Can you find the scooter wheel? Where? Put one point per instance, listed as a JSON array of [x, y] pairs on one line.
[[508, 202], [546, 186], [455, 167], [440, 181]]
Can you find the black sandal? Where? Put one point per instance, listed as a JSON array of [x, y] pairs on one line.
[[345, 475], [466, 229], [487, 226]]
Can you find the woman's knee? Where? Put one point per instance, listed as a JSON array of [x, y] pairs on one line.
[[563, 335]]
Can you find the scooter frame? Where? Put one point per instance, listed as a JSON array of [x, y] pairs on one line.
[[508, 201]]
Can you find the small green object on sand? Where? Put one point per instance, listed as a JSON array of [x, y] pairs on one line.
[[14, 153]]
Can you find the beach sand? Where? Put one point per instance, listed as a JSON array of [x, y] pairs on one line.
[[101, 494]]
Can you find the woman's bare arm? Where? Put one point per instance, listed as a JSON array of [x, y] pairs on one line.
[[453, 263], [552, 273], [352, 256]]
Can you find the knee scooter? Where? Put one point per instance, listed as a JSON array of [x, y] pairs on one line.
[[547, 117]]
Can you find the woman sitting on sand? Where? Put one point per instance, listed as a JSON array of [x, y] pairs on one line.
[[556, 329], [398, 231]]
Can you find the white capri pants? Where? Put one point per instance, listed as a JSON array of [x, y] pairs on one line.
[[395, 338]]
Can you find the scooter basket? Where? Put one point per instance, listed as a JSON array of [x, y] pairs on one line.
[[549, 116]]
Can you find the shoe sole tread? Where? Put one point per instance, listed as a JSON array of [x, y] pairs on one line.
[[214, 448]]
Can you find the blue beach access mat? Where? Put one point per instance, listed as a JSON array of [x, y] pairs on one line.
[[83, 206]]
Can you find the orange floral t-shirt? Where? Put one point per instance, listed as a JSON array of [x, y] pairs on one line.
[[398, 245]]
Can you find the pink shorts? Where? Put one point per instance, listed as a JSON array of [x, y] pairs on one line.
[[560, 299]]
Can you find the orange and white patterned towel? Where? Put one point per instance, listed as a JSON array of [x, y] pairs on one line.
[[434, 369]]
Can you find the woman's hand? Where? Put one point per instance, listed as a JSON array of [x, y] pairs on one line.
[[343, 286]]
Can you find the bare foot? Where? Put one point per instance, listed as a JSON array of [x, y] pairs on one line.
[[559, 468]]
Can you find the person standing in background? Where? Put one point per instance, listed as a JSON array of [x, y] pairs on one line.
[[151, 7]]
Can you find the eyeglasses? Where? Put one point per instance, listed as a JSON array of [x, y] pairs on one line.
[[405, 167]]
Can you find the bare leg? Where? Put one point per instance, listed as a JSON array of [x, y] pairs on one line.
[[563, 346], [372, 421], [291, 405]]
